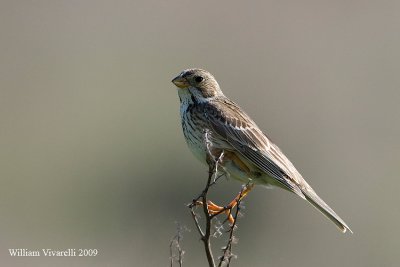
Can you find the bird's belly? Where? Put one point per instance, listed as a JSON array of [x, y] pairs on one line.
[[195, 141], [198, 150]]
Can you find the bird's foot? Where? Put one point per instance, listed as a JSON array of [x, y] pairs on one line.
[[214, 209]]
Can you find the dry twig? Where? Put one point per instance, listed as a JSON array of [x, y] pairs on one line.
[[175, 248], [214, 161]]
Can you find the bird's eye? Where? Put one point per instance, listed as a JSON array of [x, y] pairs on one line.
[[198, 79]]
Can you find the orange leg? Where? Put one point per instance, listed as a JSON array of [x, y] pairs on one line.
[[215, 209]]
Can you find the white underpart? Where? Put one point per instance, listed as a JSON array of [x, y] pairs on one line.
[[197, 147]]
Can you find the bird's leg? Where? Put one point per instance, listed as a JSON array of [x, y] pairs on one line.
[[217, 158], [214, 209]]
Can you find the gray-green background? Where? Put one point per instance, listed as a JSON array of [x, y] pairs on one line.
[[91, 149]]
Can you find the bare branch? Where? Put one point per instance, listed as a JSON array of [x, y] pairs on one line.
[[227, 254], [196, 221], [215, 159], [175, 248]]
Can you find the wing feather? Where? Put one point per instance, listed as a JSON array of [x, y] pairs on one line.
[[242, 133], [227, 120]]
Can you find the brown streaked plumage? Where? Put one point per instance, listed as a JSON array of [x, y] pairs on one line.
[[248, 153]]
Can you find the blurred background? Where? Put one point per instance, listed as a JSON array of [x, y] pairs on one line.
[[91, 149]]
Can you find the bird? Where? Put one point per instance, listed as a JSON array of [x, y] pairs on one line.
[[249, 156]]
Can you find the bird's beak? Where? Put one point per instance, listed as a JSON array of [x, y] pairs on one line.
[[180, 82]]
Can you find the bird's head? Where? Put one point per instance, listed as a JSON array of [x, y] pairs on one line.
[[197, 83]]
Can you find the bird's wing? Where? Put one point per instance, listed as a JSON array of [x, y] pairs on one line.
[[235, 126], [241, 132]]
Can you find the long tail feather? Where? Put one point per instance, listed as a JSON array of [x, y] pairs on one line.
[[318, 203]]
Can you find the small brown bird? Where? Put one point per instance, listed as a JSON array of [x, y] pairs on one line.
[[248, 154]]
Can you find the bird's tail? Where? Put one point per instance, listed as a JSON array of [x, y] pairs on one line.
[[318, 203]]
